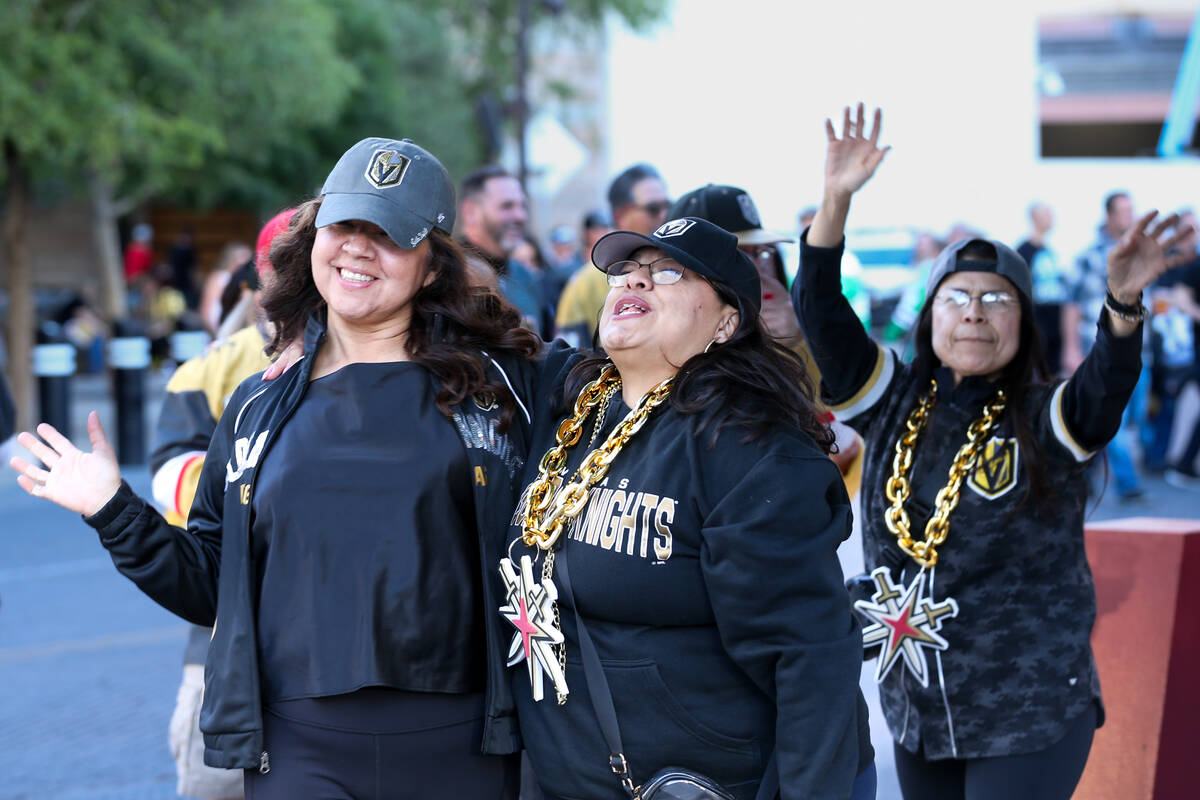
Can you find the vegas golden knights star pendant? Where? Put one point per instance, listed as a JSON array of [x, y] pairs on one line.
[[903, 623], [529, 606]]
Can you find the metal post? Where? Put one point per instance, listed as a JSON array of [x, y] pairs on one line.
[[186, 345], [129, 357], [53, 365]]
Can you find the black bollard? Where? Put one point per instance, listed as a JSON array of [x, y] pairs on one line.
[[129, 356], [53, 366]]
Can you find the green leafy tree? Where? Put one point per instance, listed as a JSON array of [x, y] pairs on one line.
[[120, 98], [407, 83], [245, 102]]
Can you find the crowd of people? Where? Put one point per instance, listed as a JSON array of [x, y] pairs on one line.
[[428, 552]]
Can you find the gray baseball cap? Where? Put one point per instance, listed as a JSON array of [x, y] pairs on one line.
[[397, 185], [1007, 264]]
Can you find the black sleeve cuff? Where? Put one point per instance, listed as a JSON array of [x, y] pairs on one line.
[[821, 267], [124, 505], [1118, 350]]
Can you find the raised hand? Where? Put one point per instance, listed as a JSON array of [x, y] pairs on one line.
[[77, 481], [1140, 256], [851, 160], [849, 163]]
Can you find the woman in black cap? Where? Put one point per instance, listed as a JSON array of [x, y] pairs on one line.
[[335, 535], [980, 601], [674, 550]]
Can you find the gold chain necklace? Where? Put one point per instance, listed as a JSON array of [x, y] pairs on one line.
[[551, 506], [532, 606], [898, 486]]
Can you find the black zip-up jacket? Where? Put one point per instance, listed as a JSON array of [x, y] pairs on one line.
[[1019, 667], [206, 574]]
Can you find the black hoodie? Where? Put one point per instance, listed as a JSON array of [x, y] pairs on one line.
[[710, 582]]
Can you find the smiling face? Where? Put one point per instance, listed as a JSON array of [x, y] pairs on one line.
[[972, 340], [366, 279], [662, 325]]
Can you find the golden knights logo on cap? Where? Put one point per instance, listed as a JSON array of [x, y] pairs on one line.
[[386, 168], [996, 474], [749, 210], [676, 227]]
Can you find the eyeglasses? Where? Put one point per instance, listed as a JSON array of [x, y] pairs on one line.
[[657, 208], [662, 271], [991, 301], [761, 253]]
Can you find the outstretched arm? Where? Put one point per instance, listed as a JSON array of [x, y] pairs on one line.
[[1085, 412], [178, 569], [854, 370]]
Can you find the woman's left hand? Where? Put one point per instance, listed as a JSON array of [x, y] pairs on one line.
[[1140, 257]]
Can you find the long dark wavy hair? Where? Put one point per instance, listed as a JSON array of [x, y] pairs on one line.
[[452, 322], [1027, 370], [750, 382]]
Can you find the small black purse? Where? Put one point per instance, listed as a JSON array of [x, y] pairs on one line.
[[676, 783], [669, 783]]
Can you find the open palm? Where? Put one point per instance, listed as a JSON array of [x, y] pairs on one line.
[[1141, 256], [77, 481], [851, 160]]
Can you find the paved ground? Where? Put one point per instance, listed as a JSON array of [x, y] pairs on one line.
[[89, 667]]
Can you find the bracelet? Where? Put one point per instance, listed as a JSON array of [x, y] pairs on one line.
[[1112, 302], [1131, 314]]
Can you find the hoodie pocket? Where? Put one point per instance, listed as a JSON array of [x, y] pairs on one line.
[[652, 718]]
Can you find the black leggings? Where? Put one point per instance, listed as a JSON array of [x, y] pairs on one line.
[[1049, 774], [380, 744]]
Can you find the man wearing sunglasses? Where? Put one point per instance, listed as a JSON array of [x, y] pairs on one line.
[[639, 202]]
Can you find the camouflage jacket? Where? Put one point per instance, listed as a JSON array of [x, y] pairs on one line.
[[1018, 667]]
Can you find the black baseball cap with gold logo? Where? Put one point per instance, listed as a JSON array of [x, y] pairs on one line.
[[393, 183], [695, 243]]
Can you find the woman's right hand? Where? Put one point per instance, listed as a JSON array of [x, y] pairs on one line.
[[77, 481], [289, 356]]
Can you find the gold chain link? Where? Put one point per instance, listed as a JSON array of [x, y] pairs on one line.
[[551, 505], [898, 486]]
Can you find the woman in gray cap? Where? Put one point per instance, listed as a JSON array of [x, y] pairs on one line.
[[980, 602], [335, 538], [672, 583]]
